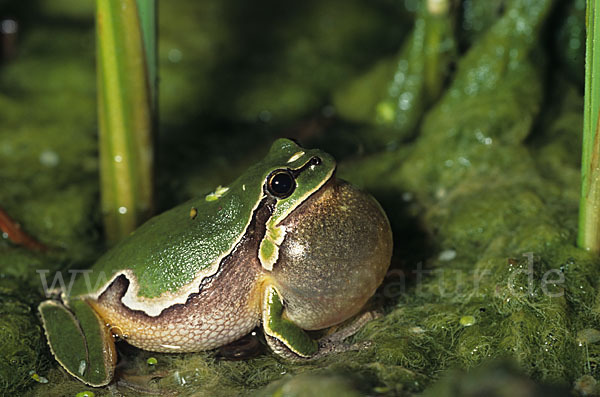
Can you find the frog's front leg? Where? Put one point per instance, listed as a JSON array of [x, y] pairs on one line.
[[284, 337], [288, 340]]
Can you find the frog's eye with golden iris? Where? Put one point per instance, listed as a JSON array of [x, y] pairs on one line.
[[281, 183]]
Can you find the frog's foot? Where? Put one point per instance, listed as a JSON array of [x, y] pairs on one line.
[[325, 346], [333, 341], [291, 342], [351, 326]]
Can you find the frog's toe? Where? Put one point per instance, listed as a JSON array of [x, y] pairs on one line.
[[327, 347], [339, 347], [352, 326]]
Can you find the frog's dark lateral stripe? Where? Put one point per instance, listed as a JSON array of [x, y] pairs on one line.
[[262, 214], [224, 307], [254, 233]]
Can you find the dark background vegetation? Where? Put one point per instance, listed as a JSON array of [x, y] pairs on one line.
[[471, 178]]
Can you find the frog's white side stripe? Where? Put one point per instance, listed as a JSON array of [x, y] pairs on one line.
[[153, 307], [268, 260], [268, 251]]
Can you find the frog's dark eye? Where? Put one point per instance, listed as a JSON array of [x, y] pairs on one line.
[[281, 183]]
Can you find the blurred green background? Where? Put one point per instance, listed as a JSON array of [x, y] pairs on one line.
[[462, 118]]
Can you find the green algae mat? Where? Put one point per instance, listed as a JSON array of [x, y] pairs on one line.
[[473, 149]]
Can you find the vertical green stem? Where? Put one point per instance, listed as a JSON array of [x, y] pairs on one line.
[[125, 114], [589, 208], [147, 11]]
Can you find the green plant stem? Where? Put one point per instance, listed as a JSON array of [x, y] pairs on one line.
[[589, 208], [147, 12], [125, 116]]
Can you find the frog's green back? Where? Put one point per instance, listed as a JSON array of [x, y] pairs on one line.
[[174, 250]]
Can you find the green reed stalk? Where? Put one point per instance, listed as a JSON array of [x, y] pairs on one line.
[[589, 208], [126, 70], [148, 18]]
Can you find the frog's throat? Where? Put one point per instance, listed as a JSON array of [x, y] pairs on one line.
[[154, 307], [268, 251]]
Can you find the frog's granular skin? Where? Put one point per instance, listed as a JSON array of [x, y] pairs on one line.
[[226, 308], [322, 284]]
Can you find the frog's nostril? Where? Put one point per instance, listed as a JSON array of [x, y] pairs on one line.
[[315, 161]]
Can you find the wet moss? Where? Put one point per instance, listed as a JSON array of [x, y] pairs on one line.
[[302, 385], [498, 379], [483, 200], [20, 263], [21, 341]]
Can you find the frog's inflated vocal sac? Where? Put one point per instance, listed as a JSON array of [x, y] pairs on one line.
[[287, 245]]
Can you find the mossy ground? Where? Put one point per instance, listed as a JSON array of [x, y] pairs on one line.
[[482, 193]]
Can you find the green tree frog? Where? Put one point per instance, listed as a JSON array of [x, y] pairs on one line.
[[286, 244]]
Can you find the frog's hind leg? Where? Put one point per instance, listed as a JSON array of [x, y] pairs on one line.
[[79, 340]]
